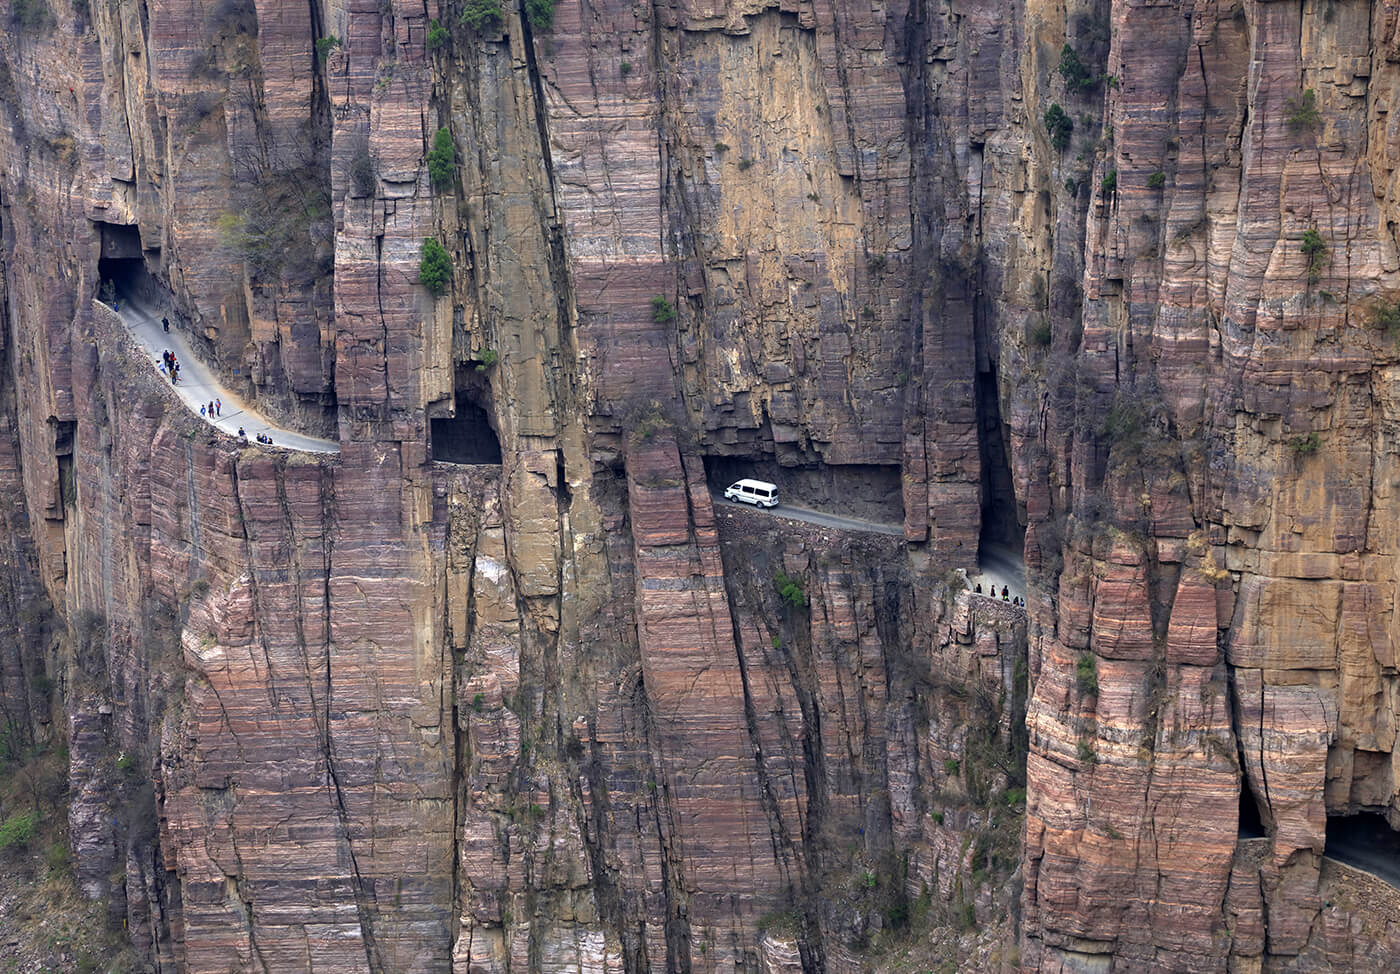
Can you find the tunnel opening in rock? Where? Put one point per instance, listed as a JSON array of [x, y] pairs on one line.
[[1251, 823], [870, 492], [122, 263], [1002, 523], [468, 434], [1367, 841]]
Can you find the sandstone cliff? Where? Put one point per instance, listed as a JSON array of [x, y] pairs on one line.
[[377, 711]]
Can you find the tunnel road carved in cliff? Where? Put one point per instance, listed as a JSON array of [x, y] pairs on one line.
[[198, 385]]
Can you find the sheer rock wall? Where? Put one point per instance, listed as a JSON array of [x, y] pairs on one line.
[[392, 714]]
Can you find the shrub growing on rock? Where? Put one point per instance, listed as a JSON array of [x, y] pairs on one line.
[[18, 829], [480, 14], [1157, 180], [1302, 112], [438, 35], [442, 160], [1386, 316], [1305, 445], [1087, 673], [1059, 125], [540, 13], [1110, 182], [1315, 249], [435, 267], [1076, 73], [790, 589], [662, 311], [324, 46]]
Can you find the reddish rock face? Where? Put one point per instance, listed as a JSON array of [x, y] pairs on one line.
[[563, 712]]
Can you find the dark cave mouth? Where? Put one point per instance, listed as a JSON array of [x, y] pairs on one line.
[[1251, 822], [871, 492], [123, 260], [469, 435]]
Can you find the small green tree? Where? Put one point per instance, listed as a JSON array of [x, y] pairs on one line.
[[1076, 73], [1087, 673], [435, 267], [438, 35], [480, 14], [790, 589], [442, 160], [1386, 316], [18, 829], [540, 13], [324, 46], [1110, 182], [1305, 445], [1302, 112], [1059, 125], [1315, 249], [662, 311], [1157, 180]]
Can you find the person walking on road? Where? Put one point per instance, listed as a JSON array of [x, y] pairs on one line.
[[242, 433], [201, 411], [218, 406], [165, 323]]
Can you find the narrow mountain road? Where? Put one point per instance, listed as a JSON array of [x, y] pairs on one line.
[[198, 385], [816, 517]]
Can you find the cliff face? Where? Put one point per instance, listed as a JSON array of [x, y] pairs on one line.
[[561, 712], [1213, 468]]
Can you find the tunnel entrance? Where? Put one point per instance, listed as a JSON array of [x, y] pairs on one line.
[[122, 263], [1002, 526], [871, 492], [469, 435], [1251, 822], [1366, 841]]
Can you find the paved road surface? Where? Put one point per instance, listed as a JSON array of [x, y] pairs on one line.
[[198, 385], [1366, 843], [817, 517]]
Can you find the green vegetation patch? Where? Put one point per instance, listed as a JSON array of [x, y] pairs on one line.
[[481, 14], [434, 267], [1059, 125], [442, 160]]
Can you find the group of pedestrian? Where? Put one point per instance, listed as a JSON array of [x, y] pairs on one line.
[[262, 438], [214, 409], [1006, 595], [170, 366]]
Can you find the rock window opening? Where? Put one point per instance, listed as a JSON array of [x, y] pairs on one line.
[[469, 435], [868, 491], [1366, 841], [123, 263], [64, 432], [1251, 824]]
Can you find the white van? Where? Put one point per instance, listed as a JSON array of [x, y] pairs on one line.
[[754, 492]]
